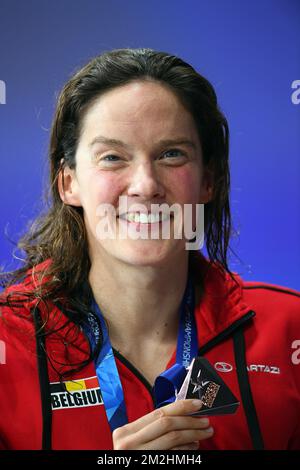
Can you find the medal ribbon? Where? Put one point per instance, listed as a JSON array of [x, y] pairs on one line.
[[166, 384]]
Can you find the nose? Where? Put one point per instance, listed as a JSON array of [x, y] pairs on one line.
[[144, 182]]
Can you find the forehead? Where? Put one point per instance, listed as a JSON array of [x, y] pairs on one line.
[[140, 108]]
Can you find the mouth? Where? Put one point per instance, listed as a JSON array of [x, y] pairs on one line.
[[144, 218]]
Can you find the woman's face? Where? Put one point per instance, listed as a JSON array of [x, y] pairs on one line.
[[142, 167]]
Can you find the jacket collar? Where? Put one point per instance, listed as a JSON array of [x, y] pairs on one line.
[[221, 304]]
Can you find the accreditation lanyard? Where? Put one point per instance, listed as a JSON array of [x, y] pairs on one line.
[[106, 368]]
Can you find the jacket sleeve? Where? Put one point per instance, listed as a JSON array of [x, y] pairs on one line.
[[294, 442]]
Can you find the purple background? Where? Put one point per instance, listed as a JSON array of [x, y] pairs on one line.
[[250, 51]]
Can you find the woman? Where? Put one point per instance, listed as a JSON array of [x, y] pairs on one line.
[[135, 129]]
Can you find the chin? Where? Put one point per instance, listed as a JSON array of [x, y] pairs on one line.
[[141, 254]]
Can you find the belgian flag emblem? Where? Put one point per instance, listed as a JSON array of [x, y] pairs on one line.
[[76, 393]]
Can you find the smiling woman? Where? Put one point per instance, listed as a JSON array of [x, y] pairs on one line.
[[144, 166], [90, 321]]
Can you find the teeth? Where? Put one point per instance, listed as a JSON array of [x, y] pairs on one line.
[[130, 216], [154, 218], [144, 218]]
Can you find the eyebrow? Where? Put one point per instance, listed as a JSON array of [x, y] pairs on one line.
[[165, 142]]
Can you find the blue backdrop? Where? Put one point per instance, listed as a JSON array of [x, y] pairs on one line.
[[250, 51]]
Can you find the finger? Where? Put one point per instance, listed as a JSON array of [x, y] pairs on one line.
[[181, 407], [178, 438], [167, 424], [191, 446], [178, 408]]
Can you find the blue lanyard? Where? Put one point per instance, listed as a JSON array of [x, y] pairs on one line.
[[166, 384]]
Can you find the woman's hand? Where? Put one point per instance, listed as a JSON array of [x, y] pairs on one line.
[[166, 428]]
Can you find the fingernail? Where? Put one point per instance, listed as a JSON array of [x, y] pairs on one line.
[[204, 421], [209, 430], [197, 403]]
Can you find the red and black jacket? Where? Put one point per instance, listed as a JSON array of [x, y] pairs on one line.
[[247, 330]]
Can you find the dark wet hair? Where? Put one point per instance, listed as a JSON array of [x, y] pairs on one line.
[[60, 234]]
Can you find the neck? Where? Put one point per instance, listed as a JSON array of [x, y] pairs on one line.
[[140, 304]]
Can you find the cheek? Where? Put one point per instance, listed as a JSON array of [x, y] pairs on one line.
[[186, 184], [98, 189], [101, 188]]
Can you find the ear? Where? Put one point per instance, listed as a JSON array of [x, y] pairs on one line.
[[207, 187], [68, 187]]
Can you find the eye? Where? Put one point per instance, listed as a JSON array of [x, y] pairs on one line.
[[174, 154], [110, 158]]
